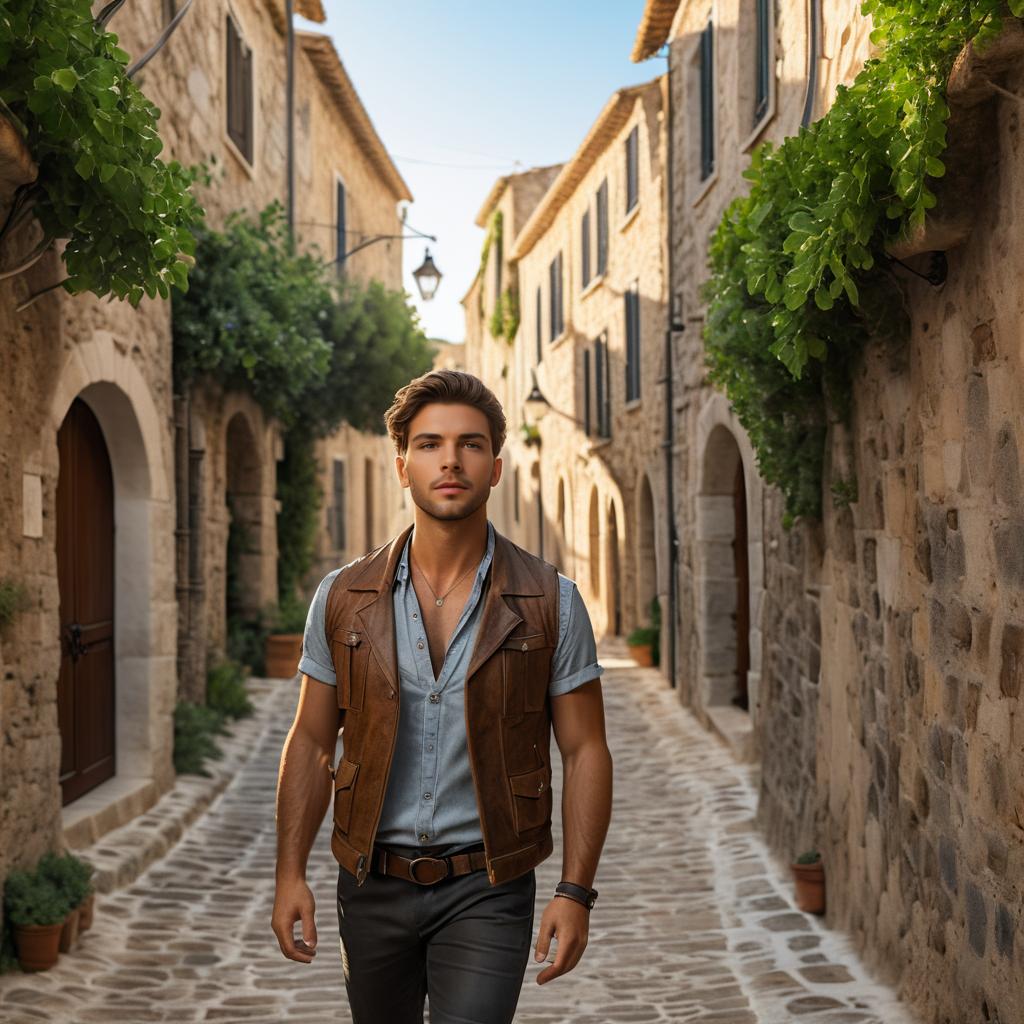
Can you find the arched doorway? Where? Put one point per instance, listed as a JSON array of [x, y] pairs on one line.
[[85, 576], [646, 560], [243, 564], [723, 539], [614, 590]]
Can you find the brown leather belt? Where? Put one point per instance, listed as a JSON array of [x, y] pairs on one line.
[[426, 870]]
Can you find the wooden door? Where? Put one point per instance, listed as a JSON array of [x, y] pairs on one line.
[[85, 571]]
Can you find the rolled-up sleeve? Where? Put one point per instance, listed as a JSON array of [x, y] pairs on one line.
[[316, 655], [575, 659]]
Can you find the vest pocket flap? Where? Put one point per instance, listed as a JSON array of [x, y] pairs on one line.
[[531, 784], [348, 637], [525, 643], [345, 774]]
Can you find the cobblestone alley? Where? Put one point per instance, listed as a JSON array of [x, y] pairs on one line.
[[694, 923]]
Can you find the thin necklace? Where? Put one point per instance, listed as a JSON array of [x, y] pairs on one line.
[[439, 601]]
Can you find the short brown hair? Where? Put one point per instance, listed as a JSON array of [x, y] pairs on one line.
[[451, 387]]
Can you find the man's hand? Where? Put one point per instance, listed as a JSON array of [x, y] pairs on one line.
[[294, 901], [569, 922]]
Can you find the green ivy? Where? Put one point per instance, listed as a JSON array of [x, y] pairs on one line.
[[495, 233], [504, 321], [128, 216], [799, 275]]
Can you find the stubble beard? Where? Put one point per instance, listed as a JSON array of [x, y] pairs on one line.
[[444, 510]]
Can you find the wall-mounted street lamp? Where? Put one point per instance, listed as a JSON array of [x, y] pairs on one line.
[[428, 277], [537, 405]]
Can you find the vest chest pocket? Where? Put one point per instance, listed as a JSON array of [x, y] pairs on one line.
[[344, 787], [351, 654], [526, 672], [531, 798]]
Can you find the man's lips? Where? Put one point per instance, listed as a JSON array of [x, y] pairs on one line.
[[450, 486]]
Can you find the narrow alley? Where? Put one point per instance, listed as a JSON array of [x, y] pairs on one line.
[[695, 922]]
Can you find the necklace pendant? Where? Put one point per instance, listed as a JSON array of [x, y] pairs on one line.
[[439, 601]]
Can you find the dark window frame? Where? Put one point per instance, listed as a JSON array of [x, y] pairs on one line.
[[239, 105], [340, 221], [632, 311], [762, 63], [540, 324], [556, 306], [585, 250], [588, 425], [633, 168], [602, 387], [706, 65], [602, 228]]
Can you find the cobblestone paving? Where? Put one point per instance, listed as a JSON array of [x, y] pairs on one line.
[[694, 921]]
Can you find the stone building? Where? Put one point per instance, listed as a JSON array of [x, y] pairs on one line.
[[116, 496], [870, 662], [588, 479]]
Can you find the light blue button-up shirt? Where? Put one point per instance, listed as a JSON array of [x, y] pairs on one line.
[[430, 799]]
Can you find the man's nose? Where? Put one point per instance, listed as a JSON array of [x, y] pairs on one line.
[[450, 458]]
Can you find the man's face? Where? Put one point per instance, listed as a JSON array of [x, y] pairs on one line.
[[448, 466]]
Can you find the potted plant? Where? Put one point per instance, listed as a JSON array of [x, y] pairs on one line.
[[37, 909], [641, 643], [284, 644], [70, 876], [809, 874]]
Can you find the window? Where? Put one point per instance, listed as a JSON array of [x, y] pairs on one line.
[[632, 343], [602, 388], [632, 168], [587, 388], [341, 234], [585, 250], [540, 326], [602, 227], [555, 303], [707, 101], [338, 506], [239, 91], [762, 67]]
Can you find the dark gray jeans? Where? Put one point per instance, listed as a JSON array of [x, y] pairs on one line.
[[462, 941]]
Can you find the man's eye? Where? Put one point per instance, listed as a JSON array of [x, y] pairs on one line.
[[472, 444]]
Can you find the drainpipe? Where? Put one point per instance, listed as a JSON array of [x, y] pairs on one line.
[[672, 535], [813, 57], [290, 100]]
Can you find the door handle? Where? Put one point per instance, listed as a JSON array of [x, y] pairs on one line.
[[75, 645]]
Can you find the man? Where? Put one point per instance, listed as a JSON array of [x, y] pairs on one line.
[[446, 657]]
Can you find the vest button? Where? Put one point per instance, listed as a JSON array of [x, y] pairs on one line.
[[424, 837], [426, 796], [526, 646], [435, 698], [540, 787]]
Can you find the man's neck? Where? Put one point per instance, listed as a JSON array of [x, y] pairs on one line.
[[445, 549]]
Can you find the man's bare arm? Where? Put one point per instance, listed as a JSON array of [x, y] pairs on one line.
[[577, 718], [304, 790]]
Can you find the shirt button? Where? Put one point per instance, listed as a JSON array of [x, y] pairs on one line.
[[414, 615], [424, 837], [426, 796], [430, 746], [419, 646], [435, 698]]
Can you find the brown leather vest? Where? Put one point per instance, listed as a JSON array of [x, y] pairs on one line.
[[508, 722]]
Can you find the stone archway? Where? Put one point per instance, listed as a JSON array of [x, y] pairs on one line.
[[613, 584], [101, 374], [730, 563]]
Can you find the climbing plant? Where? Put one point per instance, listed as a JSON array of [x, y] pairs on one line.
[[126, 214], [799, 274]]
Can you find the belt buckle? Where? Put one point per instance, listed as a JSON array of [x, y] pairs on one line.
[[435, 860]]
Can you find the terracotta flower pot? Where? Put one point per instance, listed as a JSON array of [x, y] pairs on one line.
[[283, 651], [38, 945], [810, 887], [642, 654], [85, 912], [69, 931]]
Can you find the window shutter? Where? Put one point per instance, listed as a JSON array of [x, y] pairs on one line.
[[587, 385], [632, 168], [540, 325], [585, 250], [238, 72], [763, 69], [602, 227], [341, 240], [707, 102]]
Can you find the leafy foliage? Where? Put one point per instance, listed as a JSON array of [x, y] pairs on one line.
[[252, 315], [68, 873], [31, 898], [127, 215], [13, 599], [195, 726], [225, 690], [798, 276]]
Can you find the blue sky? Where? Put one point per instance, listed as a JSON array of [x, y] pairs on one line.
[[477, 87]]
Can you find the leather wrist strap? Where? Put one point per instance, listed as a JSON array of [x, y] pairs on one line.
[[578, 893]]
